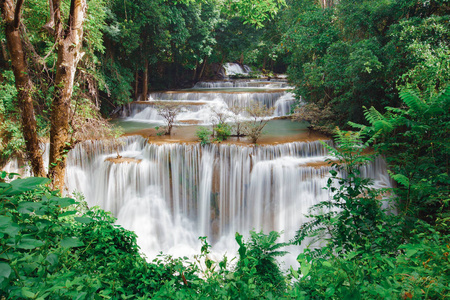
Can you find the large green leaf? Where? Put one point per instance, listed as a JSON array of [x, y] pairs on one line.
[[52, 258], [84, 220], [20, 186], [5, 270], [29, 244], [28, 207], [71, 242], [63, 202]]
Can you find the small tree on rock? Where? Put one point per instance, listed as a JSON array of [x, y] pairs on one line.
[[259, 113], [169, 112], [239, 124]]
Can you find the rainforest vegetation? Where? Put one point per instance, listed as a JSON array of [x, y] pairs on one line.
[[374, 74]]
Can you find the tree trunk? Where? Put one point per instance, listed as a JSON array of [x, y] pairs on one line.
[[203, 69], [4, 52], [194, 76], [145, 81], [69, 54], [24, 86], [136, 84]]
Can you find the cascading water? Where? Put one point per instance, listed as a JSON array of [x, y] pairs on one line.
[[198, 104], [170, 194], [235, 69]]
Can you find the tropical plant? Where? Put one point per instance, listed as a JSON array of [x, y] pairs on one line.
[[415, 142], [55, 247]]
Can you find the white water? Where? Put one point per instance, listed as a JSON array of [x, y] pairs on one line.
[[259, 83], [235, 69], [200, 106], [174, 193]]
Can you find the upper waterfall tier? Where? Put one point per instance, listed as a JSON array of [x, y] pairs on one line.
[[259, 83], [206, 98], [235, 69]]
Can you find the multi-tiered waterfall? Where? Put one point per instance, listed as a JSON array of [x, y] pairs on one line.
[[172, 193]]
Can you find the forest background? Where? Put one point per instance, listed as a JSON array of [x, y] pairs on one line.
[[379, 67]]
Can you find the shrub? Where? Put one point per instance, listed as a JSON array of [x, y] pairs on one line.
[[223, 132], [204, 135]]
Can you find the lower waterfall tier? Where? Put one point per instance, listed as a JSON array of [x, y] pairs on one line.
[[171, 194]]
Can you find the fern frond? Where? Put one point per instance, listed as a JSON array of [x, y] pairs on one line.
[[372, 115], [412, 99], [357, 126], [444, 97]]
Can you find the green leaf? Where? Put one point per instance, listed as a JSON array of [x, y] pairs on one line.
[[410, 252], [52, 258], [67, 213], [4, 185], [402, 179], [20, 186], [84, 220], [28, 207], [63, 202], [29, 244], [8, 226], [5, 270], [71, 242], [330, 291], [27, 293]]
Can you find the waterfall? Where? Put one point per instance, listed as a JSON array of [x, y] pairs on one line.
[[170, 194], [234, 69], [199, 106], [243, 83]]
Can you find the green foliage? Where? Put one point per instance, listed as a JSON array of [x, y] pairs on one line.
[[416, 144], [49, 249], [353, 216], [11, 138], [418, 270], [204, 134], [222, 132], [351, 54], [261, 252]]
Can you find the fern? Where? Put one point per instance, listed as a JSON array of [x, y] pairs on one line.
[[412, 99]]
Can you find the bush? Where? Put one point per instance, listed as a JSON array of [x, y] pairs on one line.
[[223, 132], [204, 135], [49, 249]]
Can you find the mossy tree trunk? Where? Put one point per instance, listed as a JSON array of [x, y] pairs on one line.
[[11, 13], [69, 42]]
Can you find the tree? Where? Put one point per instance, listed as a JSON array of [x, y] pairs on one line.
[[11, 14], [27, 62], [68, 43], [169, 111], [353, 213], [259, 114]]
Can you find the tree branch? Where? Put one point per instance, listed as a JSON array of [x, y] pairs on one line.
[[17, 12]]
